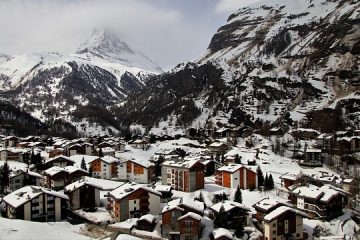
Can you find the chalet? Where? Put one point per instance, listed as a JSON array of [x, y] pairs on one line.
[[223, 133], [218, 148], [348, 185], [288, 179], [87, 149], [85, 193], [305, 133], [139, 171], [235, 213], [237, 174], [14, 154], [222, 234], [284, 223], [348, 144], [20, 178], [34, 203], [132, 200], [325, 141], [187, 176], [264, 207], [107, 151], [75, 149], [165, 191], [105, 167], [210, 166], [190, 226], [59, 161], [146, 223], [56, 152], [324, 202], [58, 177], [140, 144], [10, 141]]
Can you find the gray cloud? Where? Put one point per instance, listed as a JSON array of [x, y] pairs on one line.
[[167, 31]]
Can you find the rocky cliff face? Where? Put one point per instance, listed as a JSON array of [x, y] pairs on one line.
[[280, 62]]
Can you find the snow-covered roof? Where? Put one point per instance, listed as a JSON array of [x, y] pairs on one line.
[[289, 176], [324, 193], [267, 203], [20, 171], [191, 215], [228, 205], [109, 159], [280, 210], [349, 180], [103, 184], [58, 158], [235, 167], [142, 162], [187, 202], [148, 217], [68, 169], [181, 164], [163, 188], [222, 232], [128, 188], [25, 194], [217, 144]]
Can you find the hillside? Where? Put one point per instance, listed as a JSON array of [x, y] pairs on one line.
[[275, 62]]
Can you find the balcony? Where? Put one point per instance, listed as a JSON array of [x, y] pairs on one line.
[[321, 212]]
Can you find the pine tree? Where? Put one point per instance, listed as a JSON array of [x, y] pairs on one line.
[[200, 198], [5, 174], [101, 154], [271, 182], [220, 218], [90, 172], [260, 177], [266, 183], [83, 164], [237, 159], [238, 195]]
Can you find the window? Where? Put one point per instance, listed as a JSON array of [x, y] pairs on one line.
[[274, 224], [17, 181], [274, 232], [188, 222], [134, 201], [298, 235], [188, 229]]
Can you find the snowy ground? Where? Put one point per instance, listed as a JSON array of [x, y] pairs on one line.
[[19, 229], [100, 216]]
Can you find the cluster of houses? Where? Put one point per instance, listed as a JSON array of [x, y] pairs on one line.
[[77, 173]]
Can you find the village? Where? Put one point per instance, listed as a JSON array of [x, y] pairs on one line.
[[215, 183]]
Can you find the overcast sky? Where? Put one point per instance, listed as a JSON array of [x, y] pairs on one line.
[[167, 31]]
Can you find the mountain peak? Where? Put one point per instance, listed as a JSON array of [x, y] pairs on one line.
[[104, 41], [106, 45]]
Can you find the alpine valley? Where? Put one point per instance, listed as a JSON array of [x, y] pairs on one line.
[[275, 63]]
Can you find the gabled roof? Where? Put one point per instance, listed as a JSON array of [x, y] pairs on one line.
[[25, 194], [188, 203], [148, 217], [102, 184], [128, 188], [181, 164], [280, 210], [60, 157], [222, 232], [228, 206], [191, 215], [144, 163], [267, 204], [68, 169]]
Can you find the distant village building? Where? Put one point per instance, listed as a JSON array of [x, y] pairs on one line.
[[132, 200], [59, 161], [105, 167], [138, 171], [324, 202], [186, 176], [234, 175], [20, 178], [58, 177], [34, 203]]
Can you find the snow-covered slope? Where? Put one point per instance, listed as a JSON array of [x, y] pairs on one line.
[[52, 85], [279, 60]]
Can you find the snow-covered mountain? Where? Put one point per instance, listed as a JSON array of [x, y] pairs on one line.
[[52, 85], [273, 62]]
